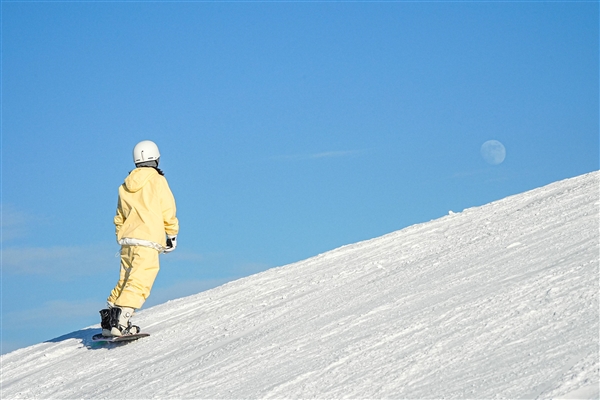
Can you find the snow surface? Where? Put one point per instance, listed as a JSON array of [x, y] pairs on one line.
[[498, 301]]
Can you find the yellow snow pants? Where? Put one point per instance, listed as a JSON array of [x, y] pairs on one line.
[[139, 267]]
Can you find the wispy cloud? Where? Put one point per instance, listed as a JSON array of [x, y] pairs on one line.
[[14, 222], [61, 262], [21, 327], [316, 156], [205, 266], [491, 174], [182, 289], [51, 312], [468, 174], [187, 255]]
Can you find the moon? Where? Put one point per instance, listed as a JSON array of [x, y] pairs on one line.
[[493, 152]]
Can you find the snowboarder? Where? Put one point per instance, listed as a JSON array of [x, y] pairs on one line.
[[146, 225]]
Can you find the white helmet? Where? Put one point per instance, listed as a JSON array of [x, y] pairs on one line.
[[145, 150]]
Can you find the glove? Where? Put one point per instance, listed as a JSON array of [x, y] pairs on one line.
[[171, 244]]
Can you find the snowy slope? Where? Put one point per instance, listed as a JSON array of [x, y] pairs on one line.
[[495, 301]]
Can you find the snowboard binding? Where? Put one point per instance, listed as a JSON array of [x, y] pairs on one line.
[[115, 322]]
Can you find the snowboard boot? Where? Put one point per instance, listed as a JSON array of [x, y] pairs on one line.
[[105, 323], [119, 322]]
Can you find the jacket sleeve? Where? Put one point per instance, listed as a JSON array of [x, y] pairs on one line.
[[169, 210], [119, 218]]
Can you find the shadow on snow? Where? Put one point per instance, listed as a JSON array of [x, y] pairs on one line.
[[84, 336]]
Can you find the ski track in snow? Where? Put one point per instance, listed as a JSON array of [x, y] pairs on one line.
[[499, 301]]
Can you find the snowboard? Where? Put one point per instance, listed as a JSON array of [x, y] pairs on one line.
[[118, 339]]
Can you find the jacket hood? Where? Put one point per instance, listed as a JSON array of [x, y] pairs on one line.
[[138, 178]]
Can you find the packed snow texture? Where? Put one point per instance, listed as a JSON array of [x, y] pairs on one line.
[[498, 301]]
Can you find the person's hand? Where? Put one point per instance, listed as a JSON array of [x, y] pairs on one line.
[[171, 244]]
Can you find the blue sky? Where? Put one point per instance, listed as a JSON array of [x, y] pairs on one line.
[[286, 129]]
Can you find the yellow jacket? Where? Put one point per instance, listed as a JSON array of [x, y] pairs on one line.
[[146, 210]]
